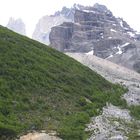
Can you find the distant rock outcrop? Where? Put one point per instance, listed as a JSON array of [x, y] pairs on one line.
[[43, 27], [17, 25], [96, 29]]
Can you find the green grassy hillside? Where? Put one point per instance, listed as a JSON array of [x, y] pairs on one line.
[[43, 89]]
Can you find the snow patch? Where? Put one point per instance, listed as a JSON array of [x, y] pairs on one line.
[[88, 11], [126, 28], [110, 56], [109, 37], [119, 50], [138, 33], [131, 34], [77, 24], [90, 52], [68, 13], [127, 43], [112, 30], [121, 23], [102, 35]]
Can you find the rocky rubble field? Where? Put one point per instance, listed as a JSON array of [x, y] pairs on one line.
[[114, 123]]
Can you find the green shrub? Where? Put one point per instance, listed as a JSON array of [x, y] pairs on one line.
[[135, 111], [72, 127], [40, 88]]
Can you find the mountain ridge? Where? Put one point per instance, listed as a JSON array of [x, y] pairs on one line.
[[97, 29], [17, 25]]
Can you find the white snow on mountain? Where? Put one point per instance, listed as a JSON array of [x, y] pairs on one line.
[[127, 43], [119, 50], [131, 34], [109, 56], [137, 33], [90, 52], [112, 30], [121, 23], [88, 11]]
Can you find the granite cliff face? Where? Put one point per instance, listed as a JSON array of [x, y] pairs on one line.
[[96, 30], [43, 27], [17, 25]]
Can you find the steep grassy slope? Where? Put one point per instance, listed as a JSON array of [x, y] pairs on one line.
[[41, 88]]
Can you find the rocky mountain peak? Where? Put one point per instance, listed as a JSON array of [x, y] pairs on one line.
[[44, 25], [78, 7], [17, 25], [96, 29], [72, 14], [66, 12], [100, 7]]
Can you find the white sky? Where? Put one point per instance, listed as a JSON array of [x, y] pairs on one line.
[[30, 11]]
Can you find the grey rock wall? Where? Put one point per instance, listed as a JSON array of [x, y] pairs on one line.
[[96, 28]]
